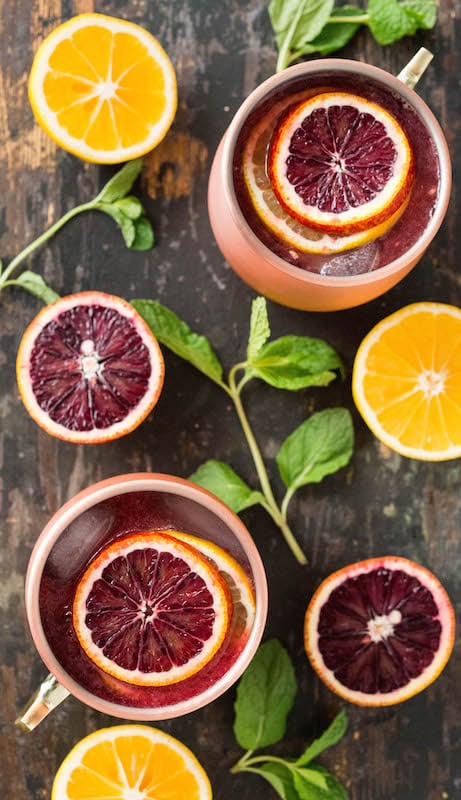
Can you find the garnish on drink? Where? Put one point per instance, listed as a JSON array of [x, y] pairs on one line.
[[340, 164], [153, 610], [89, 369], [379, 631]]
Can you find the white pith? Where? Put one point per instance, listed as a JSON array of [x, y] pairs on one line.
[[428, 383]]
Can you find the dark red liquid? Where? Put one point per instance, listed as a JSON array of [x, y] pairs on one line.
[[77, 546], [404, 233]]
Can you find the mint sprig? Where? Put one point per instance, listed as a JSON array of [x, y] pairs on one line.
[[320, 446], [115, 201], [304, 27], [265, 696]]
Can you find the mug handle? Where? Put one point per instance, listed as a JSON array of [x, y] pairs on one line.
[[417, 65], [49, 695]]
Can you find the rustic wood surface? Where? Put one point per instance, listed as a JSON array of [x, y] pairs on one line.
[[380, 504]]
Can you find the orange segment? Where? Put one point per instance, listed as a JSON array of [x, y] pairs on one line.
[[407, 381], [103, 88], [128, 761], [151, 610], [340, 163]]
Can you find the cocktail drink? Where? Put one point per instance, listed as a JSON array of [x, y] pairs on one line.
[[329, 184], [146, 597]]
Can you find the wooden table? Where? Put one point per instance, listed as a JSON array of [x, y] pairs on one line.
[[380, 504]]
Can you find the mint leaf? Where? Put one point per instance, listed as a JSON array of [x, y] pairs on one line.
[[178, 337], [143, 234], [120, 183], [259, 327], [125, 224], [221, 480], [294, 362], [334, 788], [298, 21], [331, 736], [308, 782], [35, 284], [265, 695], [334, 35], [280, 778], [130, 206], [390, 20], [319, 447], [425, 11]]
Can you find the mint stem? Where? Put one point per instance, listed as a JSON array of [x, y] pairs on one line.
[[363, 19], [270, 505], [30, 248]]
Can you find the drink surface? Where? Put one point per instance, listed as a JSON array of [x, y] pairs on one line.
[[369, 256], [86, 536]]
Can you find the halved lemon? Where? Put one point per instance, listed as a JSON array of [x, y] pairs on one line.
[[103, 88], [130, 761], [340, 163], [406, 381], [151, 610]]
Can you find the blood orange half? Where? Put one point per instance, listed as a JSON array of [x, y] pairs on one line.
[[379, 631], [151, 610], [89, 370], [340, 163]]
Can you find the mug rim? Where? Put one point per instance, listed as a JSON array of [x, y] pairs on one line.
[[96, 493], [417, 249]]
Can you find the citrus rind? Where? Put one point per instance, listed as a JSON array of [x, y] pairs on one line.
[[240, 587]]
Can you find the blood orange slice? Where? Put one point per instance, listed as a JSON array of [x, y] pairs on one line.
[[241, 590], [88, 368], [379, 631], [340, 163], [150, 610], [274, 215]]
